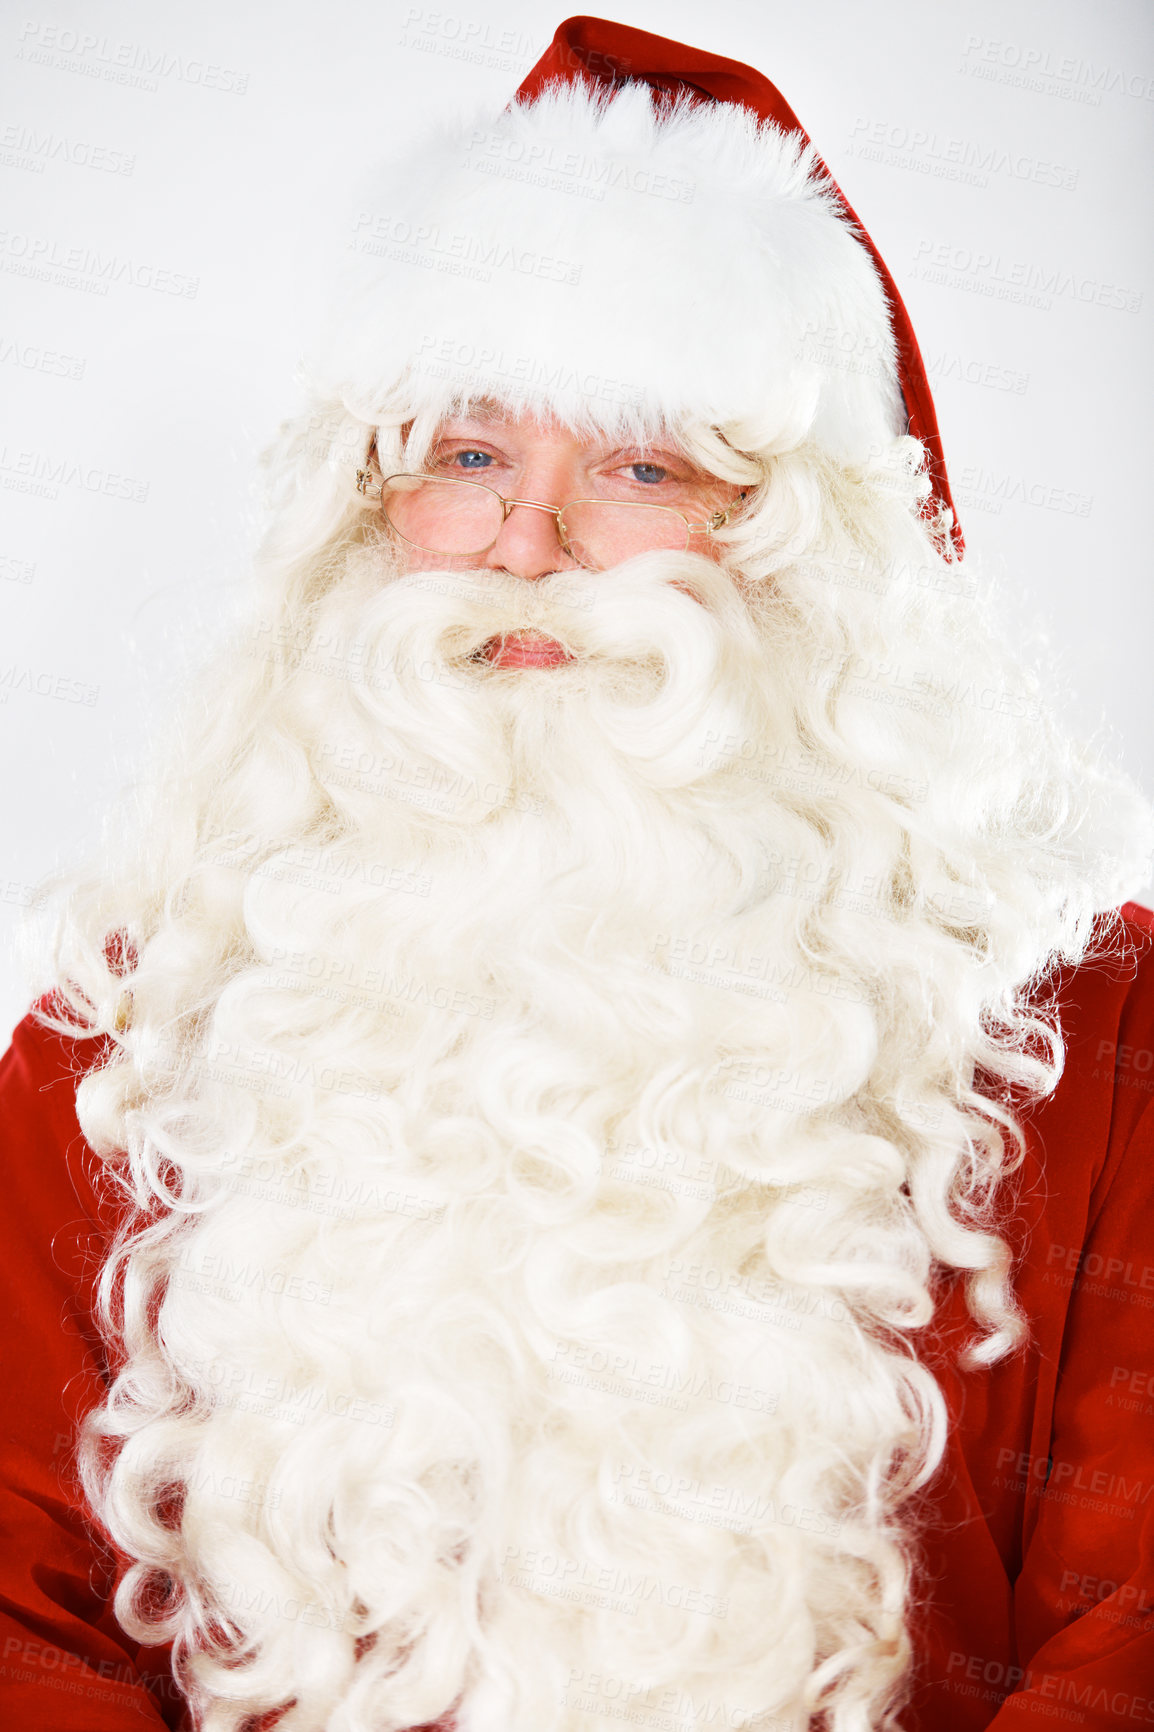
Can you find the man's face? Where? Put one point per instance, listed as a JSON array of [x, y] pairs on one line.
[[526, 458]]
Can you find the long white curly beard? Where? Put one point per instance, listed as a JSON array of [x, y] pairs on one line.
[[529, 1325]]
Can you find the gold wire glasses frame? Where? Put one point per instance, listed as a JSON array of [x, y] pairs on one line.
[[366, 479]]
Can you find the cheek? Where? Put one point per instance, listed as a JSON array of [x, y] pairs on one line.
[[415, 559]]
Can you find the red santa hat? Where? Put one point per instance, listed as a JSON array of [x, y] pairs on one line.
[[645, 235]]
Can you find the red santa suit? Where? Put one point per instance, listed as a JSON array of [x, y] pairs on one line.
[[1036, 1597]]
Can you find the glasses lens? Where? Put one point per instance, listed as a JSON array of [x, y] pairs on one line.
[[442, 516], [602, 533]]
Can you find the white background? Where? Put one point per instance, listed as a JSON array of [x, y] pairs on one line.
[[244, 150]]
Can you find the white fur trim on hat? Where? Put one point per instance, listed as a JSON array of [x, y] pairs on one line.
[[590, 257]]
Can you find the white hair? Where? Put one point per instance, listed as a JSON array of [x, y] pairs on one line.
[[548, 1100]]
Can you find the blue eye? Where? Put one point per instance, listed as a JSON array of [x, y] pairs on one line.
[[650, 473], [472, 459]]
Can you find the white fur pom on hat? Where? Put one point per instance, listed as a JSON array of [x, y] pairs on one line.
[[643, 238]]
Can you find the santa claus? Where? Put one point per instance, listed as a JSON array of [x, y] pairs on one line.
[[585, 1222]]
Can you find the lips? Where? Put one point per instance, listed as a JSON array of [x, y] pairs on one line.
[[525, 649]]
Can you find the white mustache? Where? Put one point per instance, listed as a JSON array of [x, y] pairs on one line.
[[650, 606], [662, 656]]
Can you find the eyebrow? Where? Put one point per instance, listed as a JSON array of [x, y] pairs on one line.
[[483, 409], [487, 410]]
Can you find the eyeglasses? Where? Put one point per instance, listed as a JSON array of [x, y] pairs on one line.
[[462, 519]]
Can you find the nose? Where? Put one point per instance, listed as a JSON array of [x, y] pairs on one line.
[[529, 545]]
